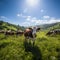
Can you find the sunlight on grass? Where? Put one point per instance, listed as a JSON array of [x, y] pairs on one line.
[[14, 48]]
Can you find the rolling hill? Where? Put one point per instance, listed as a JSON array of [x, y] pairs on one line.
[[9, 26], [17, 48], [50, 26]]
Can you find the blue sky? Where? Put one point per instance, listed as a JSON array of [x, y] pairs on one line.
[[30, 12]]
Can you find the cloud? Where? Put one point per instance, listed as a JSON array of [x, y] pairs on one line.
[[46, 17], [53, 21], [18, 15], [6, 19], [3, 18], [21, 15], [34, 21], [26, 23], [41, 10], [29, 20]]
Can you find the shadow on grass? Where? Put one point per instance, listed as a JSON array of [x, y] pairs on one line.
[[34, 50], [3, 45]]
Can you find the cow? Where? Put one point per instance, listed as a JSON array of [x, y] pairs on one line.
[[19, 33], [9, 32], [57, 31], [54, 32], [50, 33], [2, 31], [28, 34]]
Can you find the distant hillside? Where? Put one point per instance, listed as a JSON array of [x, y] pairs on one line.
[[50, 26], [8, 26], [56, 26]]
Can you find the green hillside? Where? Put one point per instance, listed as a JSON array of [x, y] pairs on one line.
[[8, 26], [50, 26], [17, 48], [45, 48], [56, 26]]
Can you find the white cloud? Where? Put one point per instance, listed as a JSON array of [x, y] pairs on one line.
[[34, 21], [29, 20], [46, 17], [53, 21], [6, 19], [3, 17], [18, 15], [26, 23], [21, 15], [41, 10]]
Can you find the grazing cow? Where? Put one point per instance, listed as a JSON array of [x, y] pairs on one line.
[[2, 31], [50, 32], [19, 33], [9, 33], [56, 31]]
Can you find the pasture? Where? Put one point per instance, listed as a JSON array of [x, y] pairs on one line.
[[16, 48]]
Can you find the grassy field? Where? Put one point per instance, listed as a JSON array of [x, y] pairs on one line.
[[16, 48]]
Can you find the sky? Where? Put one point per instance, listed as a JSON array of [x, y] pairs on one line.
[[30, 12]]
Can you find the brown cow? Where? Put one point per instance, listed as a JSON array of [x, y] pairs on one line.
[[2, 31], [9, 33], [28, 33], [19, 33]]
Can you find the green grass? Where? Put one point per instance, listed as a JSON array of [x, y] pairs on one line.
[[9, 26], [16, 48]]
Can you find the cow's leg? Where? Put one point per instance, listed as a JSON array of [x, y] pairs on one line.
[[33, 41], [29, 40], [26, 39], [34, 38]]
